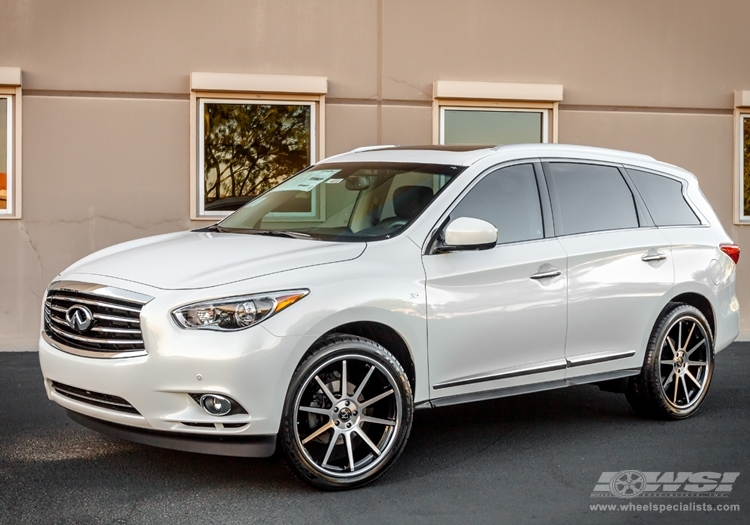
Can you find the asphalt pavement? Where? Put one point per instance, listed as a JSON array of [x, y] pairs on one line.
[[528, 459]]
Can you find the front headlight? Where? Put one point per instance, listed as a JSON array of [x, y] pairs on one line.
[[235, 313]]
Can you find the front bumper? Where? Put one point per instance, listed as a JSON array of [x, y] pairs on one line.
[[239, 446], [253, 367]]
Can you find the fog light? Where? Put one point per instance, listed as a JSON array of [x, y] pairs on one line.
[[216, 405]]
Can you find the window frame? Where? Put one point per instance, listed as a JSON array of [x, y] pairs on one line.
[[741, 114], [250, 89], [201, 179], [10, 89], [493, 96]]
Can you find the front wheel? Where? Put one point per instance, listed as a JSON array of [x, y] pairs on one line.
[[678, 366], [347, 414]]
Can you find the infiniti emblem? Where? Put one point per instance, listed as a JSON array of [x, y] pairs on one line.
[[79, 318]]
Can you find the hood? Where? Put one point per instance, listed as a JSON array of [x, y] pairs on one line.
[[191, 260]]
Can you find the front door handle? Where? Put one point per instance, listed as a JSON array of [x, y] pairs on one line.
[[547, 274], [653, 256]]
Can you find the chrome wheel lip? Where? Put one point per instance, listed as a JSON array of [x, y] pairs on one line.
[[337, 475], [680, 364]]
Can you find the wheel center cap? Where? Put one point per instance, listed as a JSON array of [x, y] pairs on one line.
[[345, 414]]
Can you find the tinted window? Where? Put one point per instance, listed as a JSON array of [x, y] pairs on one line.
[[663, 197], [590, 198], [509, 199], [348, 201]]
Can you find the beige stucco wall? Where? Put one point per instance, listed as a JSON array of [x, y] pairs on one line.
[[106, 98], [88, 184]]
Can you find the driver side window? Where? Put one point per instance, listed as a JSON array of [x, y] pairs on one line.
[[507, 198]]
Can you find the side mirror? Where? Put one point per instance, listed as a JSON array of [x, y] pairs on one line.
[[467, 233]]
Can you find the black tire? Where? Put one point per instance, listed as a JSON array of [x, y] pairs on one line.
[[678, 365], [342, 438]]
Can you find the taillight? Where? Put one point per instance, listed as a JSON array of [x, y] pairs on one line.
[[732, 250]]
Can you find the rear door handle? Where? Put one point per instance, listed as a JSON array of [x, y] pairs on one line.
[[653, 255], [545, 275]]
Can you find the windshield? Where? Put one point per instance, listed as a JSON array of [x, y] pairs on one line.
[[344, 201]]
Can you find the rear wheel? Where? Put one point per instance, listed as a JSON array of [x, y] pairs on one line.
[[348, 413], [678, 365]]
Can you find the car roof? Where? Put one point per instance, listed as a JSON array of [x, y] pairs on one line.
[[452, 155], [466, 155]]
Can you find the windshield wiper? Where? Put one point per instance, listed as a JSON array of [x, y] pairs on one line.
[[277, 233], [271, 233], [211, 228]]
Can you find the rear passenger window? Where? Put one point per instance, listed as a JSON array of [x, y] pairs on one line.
[[589, 198], [664, 199], [508, 199]]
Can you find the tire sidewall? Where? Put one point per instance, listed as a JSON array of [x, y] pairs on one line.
[[653, 377], [331, 349]]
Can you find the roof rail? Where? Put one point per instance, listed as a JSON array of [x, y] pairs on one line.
[[371, 148]]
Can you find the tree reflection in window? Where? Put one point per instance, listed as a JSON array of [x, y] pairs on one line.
[[249, 148], [746, 165]]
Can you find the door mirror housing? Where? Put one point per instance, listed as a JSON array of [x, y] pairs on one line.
[[468, 233]]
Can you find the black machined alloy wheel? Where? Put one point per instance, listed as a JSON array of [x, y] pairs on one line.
[[685, 363], [678, 365], [348, 413]]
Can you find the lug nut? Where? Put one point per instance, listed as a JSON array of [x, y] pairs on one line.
[[346, 403], [348, 425], [337, 422], [335, 409], [355, 413]]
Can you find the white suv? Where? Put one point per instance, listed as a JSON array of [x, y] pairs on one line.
[[384, 280]]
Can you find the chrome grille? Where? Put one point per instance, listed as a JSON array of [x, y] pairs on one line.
[[94, 398], [92, 324]]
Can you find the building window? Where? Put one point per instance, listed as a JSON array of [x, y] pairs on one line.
[[494, 113], [10, 172], [6, 149], [745, 159], [492, 126], [742, 156], [249, 147], [252, 132]]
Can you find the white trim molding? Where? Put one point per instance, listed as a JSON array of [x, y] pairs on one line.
[[742, 99], [259, 83], [10, 76], [497, 91]]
